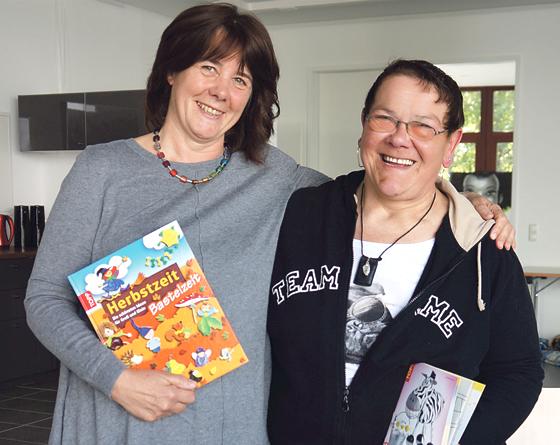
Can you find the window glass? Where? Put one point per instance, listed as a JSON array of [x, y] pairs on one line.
[[504, 157], [471, 109], [464, 158], [503, 110]]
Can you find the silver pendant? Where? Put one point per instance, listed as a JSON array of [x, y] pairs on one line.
[[365, 268]]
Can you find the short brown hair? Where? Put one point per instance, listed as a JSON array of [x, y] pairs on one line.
[[429, 75], [215, 32]]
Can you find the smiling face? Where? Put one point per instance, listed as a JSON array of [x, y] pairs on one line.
[[207, 99], [401, 167]]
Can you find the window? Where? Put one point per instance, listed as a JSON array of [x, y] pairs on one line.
[[487, 143]]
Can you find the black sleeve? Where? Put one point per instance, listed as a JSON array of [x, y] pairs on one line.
[[512, 369], [282, 257]]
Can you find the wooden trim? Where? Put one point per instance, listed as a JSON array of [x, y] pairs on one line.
[[487, 140], [12, 252]]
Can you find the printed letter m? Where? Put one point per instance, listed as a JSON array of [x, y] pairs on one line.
[[435, 308]]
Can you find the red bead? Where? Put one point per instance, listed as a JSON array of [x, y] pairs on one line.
[[161, 154], [173, 172], [166, 163]]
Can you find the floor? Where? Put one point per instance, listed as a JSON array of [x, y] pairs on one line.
[[551, 376], [26, 410], [26, 407]]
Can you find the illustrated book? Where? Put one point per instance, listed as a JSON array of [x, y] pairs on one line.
[[434, 406], [150, 303]]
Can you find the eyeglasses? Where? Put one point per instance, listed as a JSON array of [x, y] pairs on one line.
[[381, 123]]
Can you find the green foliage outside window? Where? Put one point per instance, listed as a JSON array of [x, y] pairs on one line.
[[504, 157], [471, 109], [503, 110]]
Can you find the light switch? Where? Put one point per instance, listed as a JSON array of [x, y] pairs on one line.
[[533, 232]]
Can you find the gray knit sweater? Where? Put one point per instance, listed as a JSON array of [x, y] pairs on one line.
[[116, 193]]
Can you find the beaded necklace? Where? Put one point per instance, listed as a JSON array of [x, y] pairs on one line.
[[161, 155]]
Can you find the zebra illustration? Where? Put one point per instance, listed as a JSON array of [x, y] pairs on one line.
[[423, 406], [427, 403]]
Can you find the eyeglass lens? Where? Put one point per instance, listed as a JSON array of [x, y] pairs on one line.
[[416, 130]]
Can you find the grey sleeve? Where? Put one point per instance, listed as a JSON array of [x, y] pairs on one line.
[[66, 246], [307, 177]]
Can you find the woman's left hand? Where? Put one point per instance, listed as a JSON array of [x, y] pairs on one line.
[[503, 231]]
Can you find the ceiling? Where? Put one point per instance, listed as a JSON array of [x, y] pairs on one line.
[[277, 12]]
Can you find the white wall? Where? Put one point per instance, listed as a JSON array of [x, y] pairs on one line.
[[59, 46]]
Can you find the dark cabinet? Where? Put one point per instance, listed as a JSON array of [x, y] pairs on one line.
[[22, 354], [70, 121]]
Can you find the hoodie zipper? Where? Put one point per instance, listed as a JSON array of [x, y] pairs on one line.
[[346, 401], [435, 281], [345, 405]]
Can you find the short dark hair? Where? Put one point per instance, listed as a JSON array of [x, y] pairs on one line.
[[429, 75], [214, 32]]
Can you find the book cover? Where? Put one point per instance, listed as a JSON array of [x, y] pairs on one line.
[[150, 303], [434, 407], [467, 410]]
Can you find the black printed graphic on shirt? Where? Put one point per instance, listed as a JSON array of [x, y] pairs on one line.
[[366, 317]]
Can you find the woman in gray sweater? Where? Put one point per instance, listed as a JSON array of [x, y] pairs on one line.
[[211, 100]]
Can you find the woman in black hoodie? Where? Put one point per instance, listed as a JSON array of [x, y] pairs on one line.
[[390, 266]]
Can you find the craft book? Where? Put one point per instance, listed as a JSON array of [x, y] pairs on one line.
[[150, 303], [434, 406]]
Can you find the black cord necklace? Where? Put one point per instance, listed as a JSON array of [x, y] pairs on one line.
[[367, 266]]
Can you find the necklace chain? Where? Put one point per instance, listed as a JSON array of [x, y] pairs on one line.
[[366, 271], [184, 179]]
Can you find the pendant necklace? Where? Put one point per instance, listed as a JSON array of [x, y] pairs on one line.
[[161, 156], [367, 266]]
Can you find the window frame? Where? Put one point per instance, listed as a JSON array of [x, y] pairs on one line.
[[486, 141]]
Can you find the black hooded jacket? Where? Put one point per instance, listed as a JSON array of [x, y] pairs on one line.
[[483, 329]]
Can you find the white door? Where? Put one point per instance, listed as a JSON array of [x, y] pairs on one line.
[[341, 99]]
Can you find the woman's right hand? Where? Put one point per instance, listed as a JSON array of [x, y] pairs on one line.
[[151, 395]]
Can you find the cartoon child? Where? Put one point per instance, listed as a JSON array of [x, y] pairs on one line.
[[113, 338], [207, 310], [201, 356], [109, 276], [147, 332]]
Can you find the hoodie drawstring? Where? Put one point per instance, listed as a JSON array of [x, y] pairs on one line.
[[480, 302]]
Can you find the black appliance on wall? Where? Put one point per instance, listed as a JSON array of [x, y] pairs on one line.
[[71, 121]]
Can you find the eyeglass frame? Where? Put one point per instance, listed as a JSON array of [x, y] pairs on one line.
[[397, 122]]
